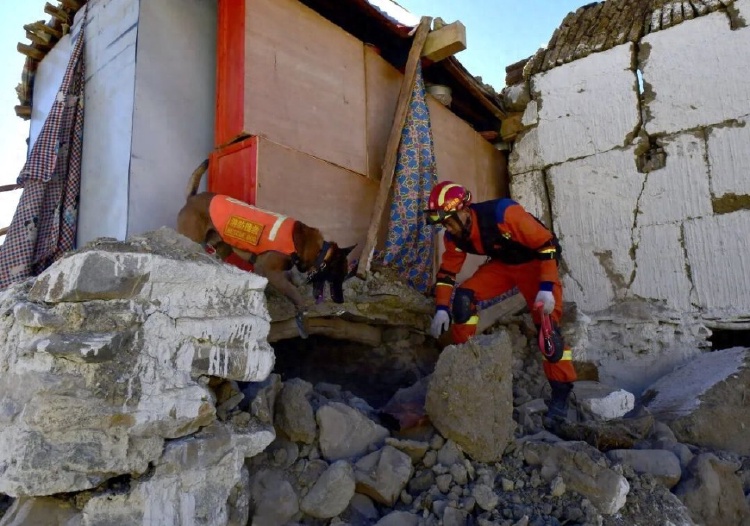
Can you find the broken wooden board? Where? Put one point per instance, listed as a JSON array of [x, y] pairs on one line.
[[445, 42], [330, 327]]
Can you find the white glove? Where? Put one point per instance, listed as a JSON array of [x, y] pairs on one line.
[[548, 299], [440, 323]]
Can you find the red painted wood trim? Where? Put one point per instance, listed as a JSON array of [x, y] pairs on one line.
[[233, 170], [230, 71]]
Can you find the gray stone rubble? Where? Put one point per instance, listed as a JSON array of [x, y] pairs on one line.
[[145, 395]]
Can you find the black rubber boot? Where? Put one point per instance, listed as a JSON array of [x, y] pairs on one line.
[[557, 409]]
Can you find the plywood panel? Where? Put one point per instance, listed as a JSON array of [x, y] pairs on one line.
[[337, 201], [454, 145], [305, 83], [491, 177], [383, 84], [465, 157]]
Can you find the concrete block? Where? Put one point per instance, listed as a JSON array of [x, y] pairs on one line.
[[602, 402], [585, 107], [717, 253], [684, 98], [729, 159], [661, 269], [679, 190], [530, 190]]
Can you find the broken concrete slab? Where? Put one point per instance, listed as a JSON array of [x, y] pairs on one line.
[[598, 401], [183, 316], [705, 397]]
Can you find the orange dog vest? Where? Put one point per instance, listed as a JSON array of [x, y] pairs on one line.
[[249, 228]]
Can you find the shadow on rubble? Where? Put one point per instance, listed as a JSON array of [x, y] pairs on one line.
[[371, 373]]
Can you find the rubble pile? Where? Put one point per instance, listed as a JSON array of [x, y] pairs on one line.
[[138, 387]]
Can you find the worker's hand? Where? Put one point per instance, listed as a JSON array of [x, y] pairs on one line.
[[547, 299], [440, 323]]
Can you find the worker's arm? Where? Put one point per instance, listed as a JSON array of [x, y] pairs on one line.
[[450, 265]]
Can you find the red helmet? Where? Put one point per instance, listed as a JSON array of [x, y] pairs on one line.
[[446, 199]]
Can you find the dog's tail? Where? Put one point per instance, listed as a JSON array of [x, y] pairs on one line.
[[195, 179]]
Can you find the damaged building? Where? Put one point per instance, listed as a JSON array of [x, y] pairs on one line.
[[629, 139], [145, 382]]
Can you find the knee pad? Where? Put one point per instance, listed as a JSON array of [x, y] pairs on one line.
[[463, 305]]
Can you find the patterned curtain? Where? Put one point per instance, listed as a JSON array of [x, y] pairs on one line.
[[410, 243], [44, 225]]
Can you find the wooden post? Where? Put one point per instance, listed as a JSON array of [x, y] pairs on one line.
[[394, 139]]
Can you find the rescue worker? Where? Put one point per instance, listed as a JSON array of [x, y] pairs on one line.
[[520, 252]]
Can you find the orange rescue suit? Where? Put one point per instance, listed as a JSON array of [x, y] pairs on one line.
[[523, 255], [251, 229]]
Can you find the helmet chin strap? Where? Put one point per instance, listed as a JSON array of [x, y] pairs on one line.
[[465, 225]]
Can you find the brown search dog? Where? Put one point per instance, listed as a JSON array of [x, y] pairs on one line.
[[272, 243]]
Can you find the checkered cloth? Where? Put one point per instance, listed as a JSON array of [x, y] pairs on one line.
[[44, 225]]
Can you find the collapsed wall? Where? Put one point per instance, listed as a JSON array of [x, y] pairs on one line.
[[637, 156]]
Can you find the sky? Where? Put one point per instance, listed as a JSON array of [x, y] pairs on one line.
[[498, 33]]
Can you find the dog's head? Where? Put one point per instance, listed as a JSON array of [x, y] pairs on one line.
[[335, 270]]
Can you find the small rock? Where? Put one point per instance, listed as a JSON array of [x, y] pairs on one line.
[[485, 497], [557, 487], [460, 476], [444, 483], [430, 459]]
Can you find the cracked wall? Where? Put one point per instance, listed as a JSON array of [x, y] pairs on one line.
[[639, 158]]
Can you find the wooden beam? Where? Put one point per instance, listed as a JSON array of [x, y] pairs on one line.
[[41, 42], [464, 77], [73, 5], [30, 51], [9, 187], [56, 12], [42, 28], [444, 42], [394, 139], [23, 111], [335, 328]]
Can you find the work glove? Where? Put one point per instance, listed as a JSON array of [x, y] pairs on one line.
[[546, 298], [440, 323]]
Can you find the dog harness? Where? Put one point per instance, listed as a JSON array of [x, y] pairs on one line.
[[251, 229]]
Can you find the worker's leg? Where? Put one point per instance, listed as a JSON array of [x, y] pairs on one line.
[[558, 366], [490, 280]]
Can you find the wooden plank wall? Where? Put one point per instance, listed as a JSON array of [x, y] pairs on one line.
[[323, 104], [305, 83], [318, 193]]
